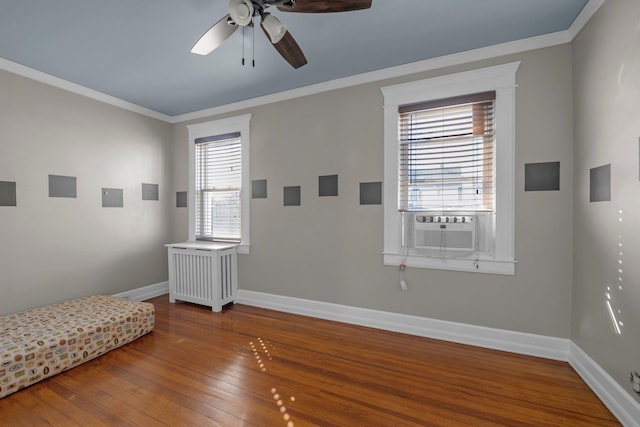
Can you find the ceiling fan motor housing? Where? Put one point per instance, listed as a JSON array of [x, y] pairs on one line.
[[241, 11]]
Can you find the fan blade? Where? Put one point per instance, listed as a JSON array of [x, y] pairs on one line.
[[213, 38], [288, 48], [324, 6]]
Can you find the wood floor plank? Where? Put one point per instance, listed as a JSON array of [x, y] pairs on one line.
[[87, 384], [248, 366], [21, 415], [84, 411]]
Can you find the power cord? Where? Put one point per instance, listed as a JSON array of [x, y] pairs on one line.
[[403, 283]]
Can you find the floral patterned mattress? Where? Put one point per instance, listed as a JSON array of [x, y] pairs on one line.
[[39, 343]]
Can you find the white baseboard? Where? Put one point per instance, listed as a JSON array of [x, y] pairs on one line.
[[146, 292], [620, 403], [515, 342], [623, 406]]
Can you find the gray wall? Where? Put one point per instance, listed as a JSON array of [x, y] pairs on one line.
[[57, 248], [606, 234], [329, 248]]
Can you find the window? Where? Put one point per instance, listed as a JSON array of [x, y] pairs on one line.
[[446, 155], [218, 185], [449, 156], [219, 181]]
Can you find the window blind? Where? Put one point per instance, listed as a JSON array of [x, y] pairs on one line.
[[446, 154], [218, 185]]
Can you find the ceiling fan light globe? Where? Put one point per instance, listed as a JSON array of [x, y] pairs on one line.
[[274, 28], [241, 11]]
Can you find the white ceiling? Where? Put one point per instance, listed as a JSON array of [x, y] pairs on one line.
[[139, 50]]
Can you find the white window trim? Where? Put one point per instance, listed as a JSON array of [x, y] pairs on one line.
[[220, 127], [500, 78]]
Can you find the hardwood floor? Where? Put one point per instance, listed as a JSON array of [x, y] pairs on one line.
[[253, 367]]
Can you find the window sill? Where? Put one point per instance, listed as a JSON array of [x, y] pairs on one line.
[[473, 265]]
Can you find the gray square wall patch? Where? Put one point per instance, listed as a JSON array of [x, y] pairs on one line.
[[292, 196], [8, 193], [181, 199], [259, 189], [542, 176], [112, 198], [62, 186], [328, 185], [150, 192], [600, 184], [371, 193]]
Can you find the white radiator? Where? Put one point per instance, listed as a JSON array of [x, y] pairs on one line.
[[203, 273]]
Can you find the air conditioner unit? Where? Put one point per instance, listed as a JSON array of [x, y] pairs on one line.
[[451, 233]]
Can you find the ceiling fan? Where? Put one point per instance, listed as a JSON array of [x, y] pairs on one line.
[[242, 12]]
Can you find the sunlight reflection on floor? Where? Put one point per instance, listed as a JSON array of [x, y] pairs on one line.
[[262, 353]]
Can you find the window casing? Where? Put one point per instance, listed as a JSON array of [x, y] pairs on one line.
[[449, 149], [219, 182]]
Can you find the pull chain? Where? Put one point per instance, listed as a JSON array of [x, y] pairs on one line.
[[243, 46], [253, 43]]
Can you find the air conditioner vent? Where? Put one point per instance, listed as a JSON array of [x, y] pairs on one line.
[[444, 232]]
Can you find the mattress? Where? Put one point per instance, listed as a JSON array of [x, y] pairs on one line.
[[42, 342]]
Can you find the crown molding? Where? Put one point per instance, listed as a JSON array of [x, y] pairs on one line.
[[585, 16], [518, 46], [538, 42], [59, 83]]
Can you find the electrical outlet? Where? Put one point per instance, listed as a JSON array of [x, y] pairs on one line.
[[635, 381]]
